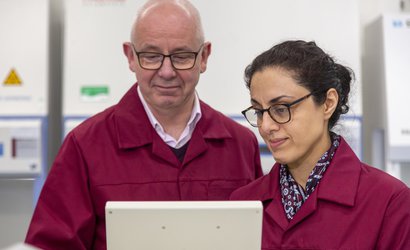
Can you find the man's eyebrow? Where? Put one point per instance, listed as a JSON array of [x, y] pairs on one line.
[[156, 49], [148, 48]]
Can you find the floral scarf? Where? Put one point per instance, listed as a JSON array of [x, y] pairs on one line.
[[293, 195]]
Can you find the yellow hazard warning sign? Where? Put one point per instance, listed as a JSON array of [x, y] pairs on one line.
[[12, 79]]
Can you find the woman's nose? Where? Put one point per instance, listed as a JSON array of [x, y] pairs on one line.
[[267, 124]]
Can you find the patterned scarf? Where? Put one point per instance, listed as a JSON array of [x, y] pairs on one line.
[[293, 195]]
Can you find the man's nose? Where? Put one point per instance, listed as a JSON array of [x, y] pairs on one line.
[[167, 70]]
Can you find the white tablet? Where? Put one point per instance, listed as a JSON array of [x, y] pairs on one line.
[[184, 225]]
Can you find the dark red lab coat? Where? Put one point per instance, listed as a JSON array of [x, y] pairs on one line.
[[355, 206], [117, 156]]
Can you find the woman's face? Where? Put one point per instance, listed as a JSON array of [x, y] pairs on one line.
[[305, 137]]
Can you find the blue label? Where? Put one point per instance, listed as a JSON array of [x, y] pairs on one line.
[[1, 149], [397, 23]]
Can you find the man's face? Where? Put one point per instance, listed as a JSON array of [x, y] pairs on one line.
[[168, 31]]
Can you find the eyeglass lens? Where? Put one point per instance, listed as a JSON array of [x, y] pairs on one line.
[[183, 60], [279, 113]]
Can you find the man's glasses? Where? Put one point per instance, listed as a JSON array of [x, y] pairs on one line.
[[280, 113], [179, 60]]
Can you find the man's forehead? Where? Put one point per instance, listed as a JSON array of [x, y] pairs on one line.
[[166, 9]]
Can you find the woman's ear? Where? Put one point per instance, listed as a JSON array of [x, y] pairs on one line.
[[330, 104]]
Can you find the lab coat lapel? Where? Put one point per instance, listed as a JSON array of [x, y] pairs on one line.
[[196, 147], [274, 209], [209, 127], [339, 183], [161, 150], [308, 208]]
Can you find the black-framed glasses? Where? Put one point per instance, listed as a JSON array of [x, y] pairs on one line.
[[280, 113], [179, 60]]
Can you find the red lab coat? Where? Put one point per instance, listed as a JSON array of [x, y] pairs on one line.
[[117, 156], [355, 206]]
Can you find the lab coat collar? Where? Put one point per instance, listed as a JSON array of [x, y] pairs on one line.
[[133, 128], [341, 179], [339, 183]]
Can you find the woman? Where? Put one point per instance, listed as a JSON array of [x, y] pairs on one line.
[[318, 195]]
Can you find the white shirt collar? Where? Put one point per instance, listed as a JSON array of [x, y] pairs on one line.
[[189, 128]]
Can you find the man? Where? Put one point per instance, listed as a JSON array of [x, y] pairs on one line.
[[160, 142]]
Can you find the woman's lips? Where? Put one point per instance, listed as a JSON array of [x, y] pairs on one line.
[[276, 143]]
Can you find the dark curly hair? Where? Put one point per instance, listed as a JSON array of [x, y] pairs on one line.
[[311, 68]]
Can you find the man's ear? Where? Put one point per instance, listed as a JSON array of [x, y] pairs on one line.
[[206, 51], [330, 104], [129, 53]]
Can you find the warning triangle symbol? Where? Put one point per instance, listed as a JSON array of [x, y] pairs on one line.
[[12, 79]]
